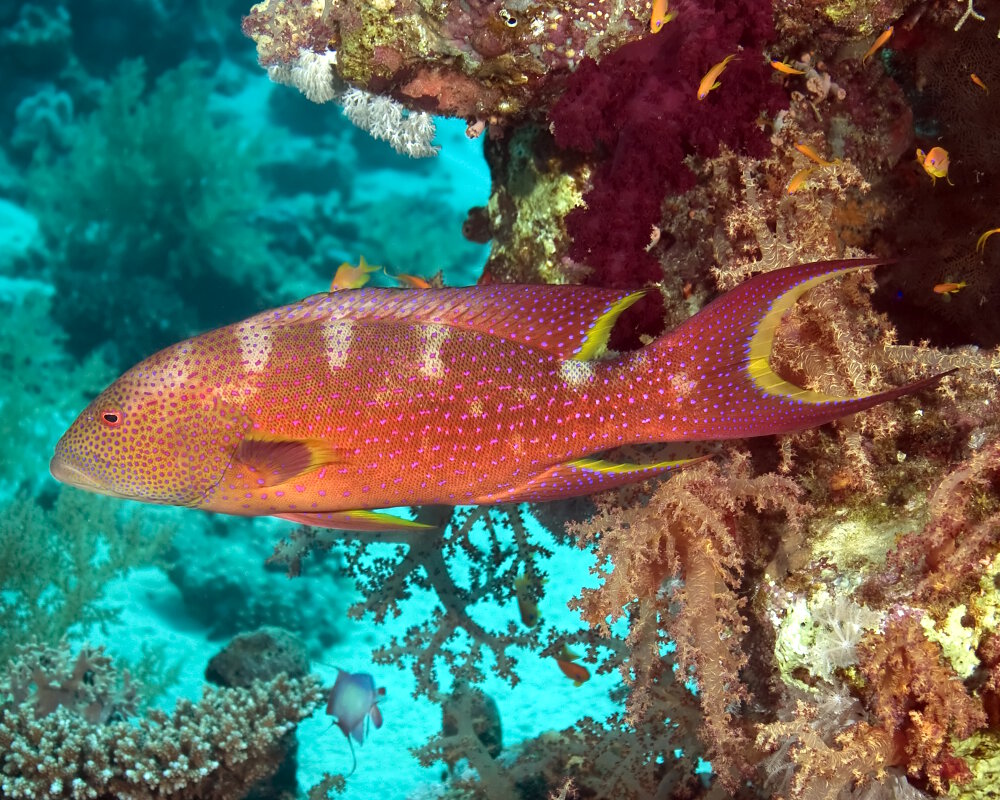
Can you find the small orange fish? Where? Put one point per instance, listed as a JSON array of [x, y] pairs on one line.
[[979, 82], [881, 40], [710, 81], [786, 68], [350, 277], [411, 281], [661, 16], [577, 673], [949, 288], [981, 242], [812, 155], [935, 163], [798, 179], [526, 603]]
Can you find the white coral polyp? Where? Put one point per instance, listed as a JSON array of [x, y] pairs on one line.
[[311, 73]]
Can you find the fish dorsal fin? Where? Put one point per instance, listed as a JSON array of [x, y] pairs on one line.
[[277, 460], [572, 322]]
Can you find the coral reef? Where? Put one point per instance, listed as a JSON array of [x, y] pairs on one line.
[[66, 732], [815, 615], [479, 60]]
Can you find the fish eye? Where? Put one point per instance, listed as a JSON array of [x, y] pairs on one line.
[[111, 417]]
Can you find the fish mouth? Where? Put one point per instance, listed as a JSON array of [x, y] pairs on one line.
[[65, 472]]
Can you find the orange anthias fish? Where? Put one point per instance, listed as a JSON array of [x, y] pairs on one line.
[[949, 288], [350, 277], [711, 79], [660, 16], [981, 241], [526, 589], [577, 673], [321, 411], [881, 40], [799, 178], [935, 163], [813, 156], [786, 69]]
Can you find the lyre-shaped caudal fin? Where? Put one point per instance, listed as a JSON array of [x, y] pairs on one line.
[[715, 369]]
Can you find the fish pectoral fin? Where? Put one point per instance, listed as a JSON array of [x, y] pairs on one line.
[[583, 476], [355, 521], [277, 460]]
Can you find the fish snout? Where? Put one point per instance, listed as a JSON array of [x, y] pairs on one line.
[[64, 471]]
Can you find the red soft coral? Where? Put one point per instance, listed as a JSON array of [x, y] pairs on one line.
[[637, 116]]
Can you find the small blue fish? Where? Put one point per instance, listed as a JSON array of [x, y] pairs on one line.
[[353, 699]]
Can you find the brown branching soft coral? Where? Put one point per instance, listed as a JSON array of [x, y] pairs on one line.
[[390, 567], [918, 701], [688, 548]]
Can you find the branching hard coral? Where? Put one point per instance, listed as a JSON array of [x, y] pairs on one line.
[[65, 732]]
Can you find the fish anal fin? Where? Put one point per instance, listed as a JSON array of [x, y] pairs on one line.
[[355, 521], [584, 476], [277, 460]]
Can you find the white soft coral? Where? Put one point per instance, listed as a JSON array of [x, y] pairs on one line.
[[313, 74]]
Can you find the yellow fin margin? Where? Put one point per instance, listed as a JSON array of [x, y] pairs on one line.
[[762, 343], [616, 468], [597, 337]]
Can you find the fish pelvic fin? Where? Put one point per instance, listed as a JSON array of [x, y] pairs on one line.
[[362, 520], [584, 476], [717, 371]]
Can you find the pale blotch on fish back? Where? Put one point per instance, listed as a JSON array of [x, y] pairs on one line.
[[576, 374], [255, 346], [338, 335], [432, 339]]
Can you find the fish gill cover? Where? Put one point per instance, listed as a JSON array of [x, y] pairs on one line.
[[812, 614]]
